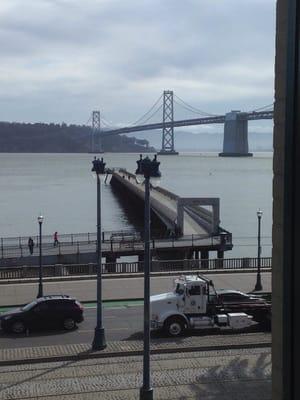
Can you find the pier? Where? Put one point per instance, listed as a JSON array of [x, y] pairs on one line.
[[189, 228]]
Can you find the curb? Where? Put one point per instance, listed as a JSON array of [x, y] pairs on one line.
[[94, 355]]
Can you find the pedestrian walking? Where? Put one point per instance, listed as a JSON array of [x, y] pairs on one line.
[[30, 245], [55, 239]]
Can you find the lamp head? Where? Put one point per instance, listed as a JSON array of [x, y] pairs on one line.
[[259, 213], [40, 219], [98, 166], [148, 169]]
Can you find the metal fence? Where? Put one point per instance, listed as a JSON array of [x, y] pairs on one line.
[[60, 270], [120, 241]]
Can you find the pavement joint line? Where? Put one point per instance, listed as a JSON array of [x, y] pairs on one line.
[[127, 353], [108, 303]]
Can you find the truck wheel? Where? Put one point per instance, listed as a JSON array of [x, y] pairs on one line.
[[174, 326]]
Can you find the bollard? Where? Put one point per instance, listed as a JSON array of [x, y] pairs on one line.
[[72, 238], [2, 247]]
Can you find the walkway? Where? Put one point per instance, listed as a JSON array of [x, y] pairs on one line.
[[207, 375]]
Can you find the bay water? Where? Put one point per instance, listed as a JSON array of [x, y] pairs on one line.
[[61, 187]]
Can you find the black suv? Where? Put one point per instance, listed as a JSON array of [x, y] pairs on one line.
[[45, 312]]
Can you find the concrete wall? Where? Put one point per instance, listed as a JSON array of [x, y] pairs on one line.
[[235, 142]]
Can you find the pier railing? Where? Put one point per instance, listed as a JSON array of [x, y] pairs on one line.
[[72, 270], [118, 242]]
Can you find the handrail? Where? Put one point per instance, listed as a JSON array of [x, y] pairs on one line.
[[59, 270]]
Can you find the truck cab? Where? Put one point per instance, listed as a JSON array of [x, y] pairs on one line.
[[192, 304]]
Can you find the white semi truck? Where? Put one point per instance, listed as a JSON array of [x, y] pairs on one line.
[[193, 305]]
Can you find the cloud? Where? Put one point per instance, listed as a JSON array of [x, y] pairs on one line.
[[60, 59]]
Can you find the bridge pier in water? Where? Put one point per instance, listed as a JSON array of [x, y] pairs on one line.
[[167, 147], [235, 142]]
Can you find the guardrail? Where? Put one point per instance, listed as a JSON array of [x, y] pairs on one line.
[[120, 242], [65, 238], [60, 270]]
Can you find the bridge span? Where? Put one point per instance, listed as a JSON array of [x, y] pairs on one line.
[[235, 143]]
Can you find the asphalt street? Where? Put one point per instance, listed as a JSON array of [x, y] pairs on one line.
[[121, 323]]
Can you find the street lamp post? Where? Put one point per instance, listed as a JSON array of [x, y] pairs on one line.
[[258, 285], [40, 291], [147, 170], [99, 342]]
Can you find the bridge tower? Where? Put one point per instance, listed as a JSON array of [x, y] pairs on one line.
[[235, 142], [96, 142], [168, 128]]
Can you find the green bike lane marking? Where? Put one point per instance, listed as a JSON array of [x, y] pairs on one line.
[[106, 304]]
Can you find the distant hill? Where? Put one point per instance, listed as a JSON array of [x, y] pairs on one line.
[[61, 138]]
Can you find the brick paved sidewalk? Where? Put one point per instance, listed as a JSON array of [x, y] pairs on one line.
[[206, 375], [10, 356]]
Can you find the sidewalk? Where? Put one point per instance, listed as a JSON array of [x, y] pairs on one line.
[[229, 374], [25, 355], [124, 288]]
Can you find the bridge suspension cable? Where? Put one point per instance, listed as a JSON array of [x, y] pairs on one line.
[[264, 108], [106, 123], [138, 121], [152, 115], [190, 108], [89, 120]]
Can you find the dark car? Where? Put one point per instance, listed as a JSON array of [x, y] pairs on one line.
[[46, 312], [236, 301], [227, 296]]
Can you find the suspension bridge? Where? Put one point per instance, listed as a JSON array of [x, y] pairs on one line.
[[235, 142]]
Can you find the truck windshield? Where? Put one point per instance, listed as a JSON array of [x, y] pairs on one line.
[[179, 289]]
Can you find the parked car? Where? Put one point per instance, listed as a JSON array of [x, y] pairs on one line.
[[231, 297], [236, 301], [57, 311]]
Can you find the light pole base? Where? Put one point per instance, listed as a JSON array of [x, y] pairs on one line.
[[99, 342], [146, 394], [258, 285], [40, 292]]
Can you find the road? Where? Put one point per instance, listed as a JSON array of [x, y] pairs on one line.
[[123, 288], [121, 323], [124, 322]]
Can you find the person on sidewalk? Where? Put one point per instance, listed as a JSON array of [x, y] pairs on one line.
[[55, 239], [30, 245]]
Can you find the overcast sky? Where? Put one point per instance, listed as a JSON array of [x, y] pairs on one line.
[[61, 59]]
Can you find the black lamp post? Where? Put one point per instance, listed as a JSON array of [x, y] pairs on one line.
[[147, 170], [258, 285], [99, 342], [40, 291]]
